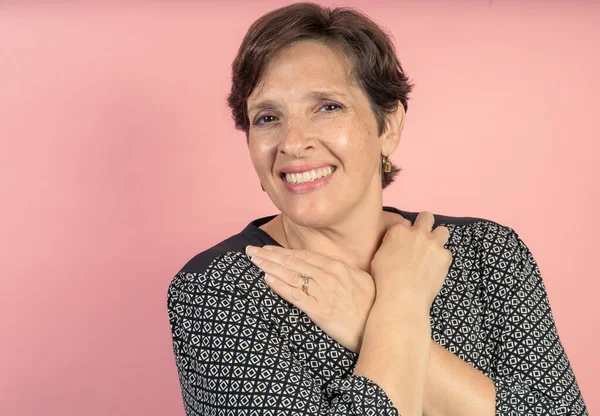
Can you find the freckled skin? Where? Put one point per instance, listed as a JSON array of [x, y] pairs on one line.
[[298, 129]]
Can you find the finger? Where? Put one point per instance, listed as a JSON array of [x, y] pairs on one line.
[[441, 234], [302, 261], [335, 269], [402, 221], [424, 221], [291, 277], [287, 268], [316, 259], [305, 302], [332, 265]]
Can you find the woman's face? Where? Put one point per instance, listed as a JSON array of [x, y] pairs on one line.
[[307, 116]]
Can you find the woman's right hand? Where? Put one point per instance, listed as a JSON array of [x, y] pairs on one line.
[[411, 261]]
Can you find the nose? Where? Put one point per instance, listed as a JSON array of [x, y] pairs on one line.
[[297, 139]]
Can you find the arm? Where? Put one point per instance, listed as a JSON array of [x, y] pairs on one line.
[[229, 358], [395, 352], [415, 371], [454, 388], [532, 375]]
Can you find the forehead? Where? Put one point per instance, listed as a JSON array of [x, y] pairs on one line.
[[304, 65]]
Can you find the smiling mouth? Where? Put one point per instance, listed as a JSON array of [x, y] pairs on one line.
[[307, 177]]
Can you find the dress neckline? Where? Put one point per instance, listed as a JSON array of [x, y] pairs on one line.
[[266, 239]]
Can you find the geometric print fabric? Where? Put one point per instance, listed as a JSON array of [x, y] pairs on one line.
[[240, 349]]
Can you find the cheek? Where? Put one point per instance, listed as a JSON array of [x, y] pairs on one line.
[[356, 139], [261, 152], [254, 150]]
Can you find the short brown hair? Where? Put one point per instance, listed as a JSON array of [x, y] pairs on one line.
[[375, 65]]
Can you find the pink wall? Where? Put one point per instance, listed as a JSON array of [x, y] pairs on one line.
[[119, 162]]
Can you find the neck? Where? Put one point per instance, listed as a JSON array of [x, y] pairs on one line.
[[354, 240]]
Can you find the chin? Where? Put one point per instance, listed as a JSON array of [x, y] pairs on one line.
[[309, 215]]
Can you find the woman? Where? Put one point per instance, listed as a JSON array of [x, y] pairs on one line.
[[339, 305]]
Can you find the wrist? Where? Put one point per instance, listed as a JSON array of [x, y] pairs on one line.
[[404, 302], [406, 316]]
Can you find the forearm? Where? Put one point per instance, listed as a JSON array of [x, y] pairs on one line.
[[395, 355], [454, 388]]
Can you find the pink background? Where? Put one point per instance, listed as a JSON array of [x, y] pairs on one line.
[[119, 162]]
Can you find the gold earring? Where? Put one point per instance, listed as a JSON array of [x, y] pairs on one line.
[[387, 165]]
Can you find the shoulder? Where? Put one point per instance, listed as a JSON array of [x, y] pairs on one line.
[[491, 253], [487, 236], [231, 247], [485, 241], [200, 262], [478, 228], [223, 268]]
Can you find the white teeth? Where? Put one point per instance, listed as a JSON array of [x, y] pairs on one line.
[[309, 176]]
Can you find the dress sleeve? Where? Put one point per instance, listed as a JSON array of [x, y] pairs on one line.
[[532, 375], [230, 361]]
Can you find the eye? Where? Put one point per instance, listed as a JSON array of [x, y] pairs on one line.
[[328, 107], [332, 107], [266, 119]]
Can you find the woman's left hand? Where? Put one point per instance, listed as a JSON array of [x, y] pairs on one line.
[[338, 299]]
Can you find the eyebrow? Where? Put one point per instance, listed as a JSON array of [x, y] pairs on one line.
[[314, 95]]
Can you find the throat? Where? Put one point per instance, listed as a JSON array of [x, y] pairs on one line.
[[275, 230]]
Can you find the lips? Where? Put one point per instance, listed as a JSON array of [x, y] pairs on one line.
[[306, 187], [309, 176], [305, 167]]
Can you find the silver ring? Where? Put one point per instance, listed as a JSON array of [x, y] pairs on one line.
[[305, 283]]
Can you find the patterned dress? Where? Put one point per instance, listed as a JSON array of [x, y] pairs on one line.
[[240, 349]]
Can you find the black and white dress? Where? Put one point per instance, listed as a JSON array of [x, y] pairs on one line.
[[240, 349]]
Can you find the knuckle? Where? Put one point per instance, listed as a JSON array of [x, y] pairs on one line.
[[423, 236], [330, 279], [442, 231], [337, 267], [328, 312], [427, 214], [290, 260], [297, 293], [400, 227], [429, 236], [294, 278], [396, 230], [301, 254], [448, 256]]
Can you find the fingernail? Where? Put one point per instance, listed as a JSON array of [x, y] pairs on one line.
[[256, 260], [251, 249], [268, 278]]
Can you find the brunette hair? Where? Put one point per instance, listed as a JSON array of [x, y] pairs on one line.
[[375, 66]]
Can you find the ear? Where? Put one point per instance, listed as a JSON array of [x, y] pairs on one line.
[[394, 125]]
